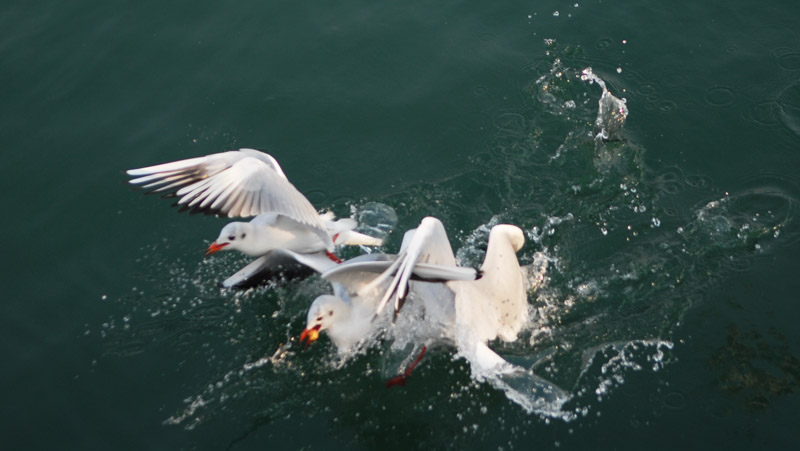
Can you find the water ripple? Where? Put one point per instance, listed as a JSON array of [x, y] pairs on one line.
[[767, 112], [789, 101], [789, 61], [720, 96]]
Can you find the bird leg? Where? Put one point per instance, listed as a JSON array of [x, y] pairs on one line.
[[401, 379], [333, 257]]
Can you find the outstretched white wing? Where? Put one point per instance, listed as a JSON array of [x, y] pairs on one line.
[[237, 183]]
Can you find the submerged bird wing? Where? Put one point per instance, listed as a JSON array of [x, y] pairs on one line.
[[237, 183], [520, 385]]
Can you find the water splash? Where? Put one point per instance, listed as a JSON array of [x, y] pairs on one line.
[[612, 111], [614, 360], [375, 219]]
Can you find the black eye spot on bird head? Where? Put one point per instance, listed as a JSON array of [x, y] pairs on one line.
[[244, 235], [330, 312], [232, 237]]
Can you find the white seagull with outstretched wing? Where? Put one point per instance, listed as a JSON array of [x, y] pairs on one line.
[[245, 183]]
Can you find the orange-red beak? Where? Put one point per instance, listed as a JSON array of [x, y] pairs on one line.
[[215, 247], [310, 334]]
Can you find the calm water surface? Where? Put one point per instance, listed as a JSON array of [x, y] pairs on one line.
[[669, 308]]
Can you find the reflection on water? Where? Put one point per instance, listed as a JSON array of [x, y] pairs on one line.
[[625, 261]]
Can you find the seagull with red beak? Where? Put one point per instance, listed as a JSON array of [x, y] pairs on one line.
[[346, 321], [271, 232], [350, 316], [451, 305], [246, 183]]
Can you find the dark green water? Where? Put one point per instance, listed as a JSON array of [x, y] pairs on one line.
[[669, 310]]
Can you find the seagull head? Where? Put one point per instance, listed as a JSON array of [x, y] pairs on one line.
[[325, 312], [234, 236]]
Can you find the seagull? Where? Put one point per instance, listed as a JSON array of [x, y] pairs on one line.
[[270, 231], [348, 315], [244, 183], [492, 301], [490, 307], [459, 310]]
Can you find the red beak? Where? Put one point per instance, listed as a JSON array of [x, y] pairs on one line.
[[215, 247], [311, 334]]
